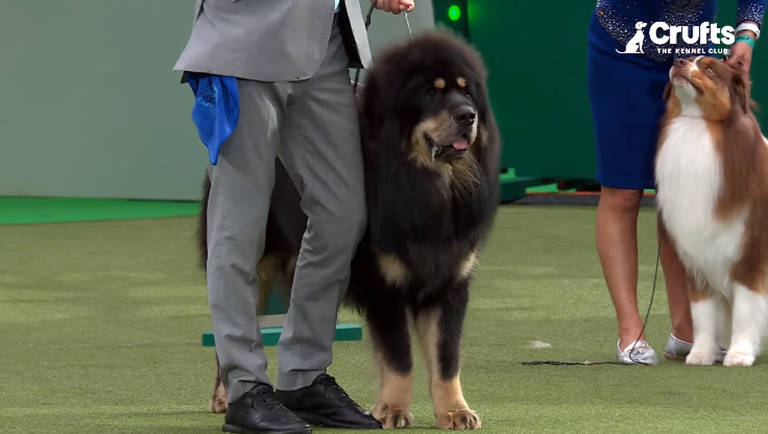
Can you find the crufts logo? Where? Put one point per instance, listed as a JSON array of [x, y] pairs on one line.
[[661, 34], [635, 45]]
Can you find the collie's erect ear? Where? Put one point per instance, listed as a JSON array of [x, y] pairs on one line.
[[740, 89]]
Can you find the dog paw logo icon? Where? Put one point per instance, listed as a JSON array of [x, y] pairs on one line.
[[635, 45]]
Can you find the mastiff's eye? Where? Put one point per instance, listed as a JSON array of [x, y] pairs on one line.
[[431, 91]]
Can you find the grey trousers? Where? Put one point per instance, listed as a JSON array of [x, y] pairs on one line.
[[312, 126]]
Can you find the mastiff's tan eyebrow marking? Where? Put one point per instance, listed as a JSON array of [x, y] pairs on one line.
[[439, 83], [462, 82]]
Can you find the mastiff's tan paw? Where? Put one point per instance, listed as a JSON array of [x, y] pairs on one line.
[[459, 419], [392, 417], [219, 405], [219, 399]]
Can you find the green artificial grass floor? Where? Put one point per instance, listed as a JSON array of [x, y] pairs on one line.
[[21, 210], [100, 332]]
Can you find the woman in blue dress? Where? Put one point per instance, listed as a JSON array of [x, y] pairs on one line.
[[626, 97]]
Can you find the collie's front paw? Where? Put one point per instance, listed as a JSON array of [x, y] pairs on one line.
[[391, 416], [738, 359], [458, 419], [700, 358]]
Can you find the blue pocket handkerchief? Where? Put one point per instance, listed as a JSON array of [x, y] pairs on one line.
[[216, 111]]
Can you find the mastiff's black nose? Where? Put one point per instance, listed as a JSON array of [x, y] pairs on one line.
[[465, 115]]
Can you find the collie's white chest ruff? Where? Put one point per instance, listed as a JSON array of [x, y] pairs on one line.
[[689, 174]]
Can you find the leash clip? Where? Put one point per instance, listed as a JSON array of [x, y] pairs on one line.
[[408, 23]]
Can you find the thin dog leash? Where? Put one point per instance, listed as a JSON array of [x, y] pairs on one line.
[[408, 23], [631, 351], [368, 24], [648, 312]]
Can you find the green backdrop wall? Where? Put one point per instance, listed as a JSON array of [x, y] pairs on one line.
[[89, 106]]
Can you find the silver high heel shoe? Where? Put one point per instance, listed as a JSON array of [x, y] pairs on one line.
[[636, 353]]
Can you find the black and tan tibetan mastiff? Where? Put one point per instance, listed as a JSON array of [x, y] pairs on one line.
[[431, 153]]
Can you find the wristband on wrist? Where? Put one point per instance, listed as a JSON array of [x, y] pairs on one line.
[[749, 26], [746, 39]]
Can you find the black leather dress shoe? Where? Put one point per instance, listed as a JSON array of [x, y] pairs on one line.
[[325, 403], [260, 412]]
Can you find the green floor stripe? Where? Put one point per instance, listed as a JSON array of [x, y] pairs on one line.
[[270, 336], [548, 188], [25, 210], [552, 188]]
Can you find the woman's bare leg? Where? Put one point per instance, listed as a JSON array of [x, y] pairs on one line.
[[617, 247], [675, 275]]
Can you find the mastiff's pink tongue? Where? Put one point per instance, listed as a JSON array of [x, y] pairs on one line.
[[460, 144]]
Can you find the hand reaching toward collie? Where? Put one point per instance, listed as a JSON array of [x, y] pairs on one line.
[[394, 6], [741, 53]]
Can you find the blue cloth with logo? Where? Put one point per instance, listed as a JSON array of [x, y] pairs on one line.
[[216, 110], [626, 95]]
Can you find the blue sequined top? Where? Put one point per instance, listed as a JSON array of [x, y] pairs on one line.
[[618, 17]]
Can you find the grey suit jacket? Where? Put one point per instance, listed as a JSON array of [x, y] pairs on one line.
[[270, 40]]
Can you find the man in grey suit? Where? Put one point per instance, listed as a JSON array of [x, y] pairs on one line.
[[289, 59]]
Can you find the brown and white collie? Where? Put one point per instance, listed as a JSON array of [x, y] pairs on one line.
[[712, 175]]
